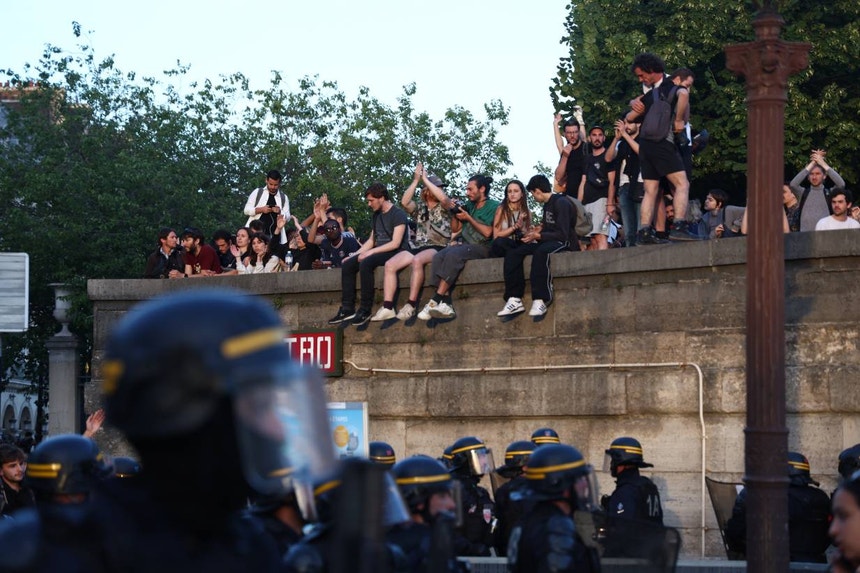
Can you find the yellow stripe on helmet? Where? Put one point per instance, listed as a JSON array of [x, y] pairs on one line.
[[251, 342], [43, 470], [111, 372], [540, 473], [423, 479]]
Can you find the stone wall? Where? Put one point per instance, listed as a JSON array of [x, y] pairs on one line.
[[619, 353]]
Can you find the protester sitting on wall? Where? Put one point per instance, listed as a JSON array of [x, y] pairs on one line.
[[261, 259], [166, 262], [432, 234]]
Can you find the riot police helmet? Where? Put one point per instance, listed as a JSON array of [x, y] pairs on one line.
[[65, 469], [517, 455], [849, 461], [212, 364], [543, 436], [420, 477], [624, 451], [798, 469], [559, 472], [470, 457], [382, 453]]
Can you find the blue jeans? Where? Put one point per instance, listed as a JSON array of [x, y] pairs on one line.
[[629, 214]]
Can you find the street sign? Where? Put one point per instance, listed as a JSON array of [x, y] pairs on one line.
[[14, 292]]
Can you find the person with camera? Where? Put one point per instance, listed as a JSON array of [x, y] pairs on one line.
[[266, 203], [473, 222], [551, 236]]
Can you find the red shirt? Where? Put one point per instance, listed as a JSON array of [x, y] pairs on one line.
[[205, 260]]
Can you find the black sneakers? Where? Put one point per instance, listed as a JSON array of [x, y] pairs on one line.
[[681, 232], [342, 316], [646, 236], [361, 317]]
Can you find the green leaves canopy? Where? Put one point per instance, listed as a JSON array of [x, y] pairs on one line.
[[94, 161], [823, 100]]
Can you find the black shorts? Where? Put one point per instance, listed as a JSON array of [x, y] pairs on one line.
[[417, 250], [658, 159]]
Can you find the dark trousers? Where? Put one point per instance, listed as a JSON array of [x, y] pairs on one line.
[[364, 269], [541, 277]]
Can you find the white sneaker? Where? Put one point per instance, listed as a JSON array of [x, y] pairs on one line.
[[443, 310], [407, 312], [425, 313], [538, 308], [513, 306], [383, 314]]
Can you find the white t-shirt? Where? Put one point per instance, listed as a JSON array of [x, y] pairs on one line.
[[830, 224]]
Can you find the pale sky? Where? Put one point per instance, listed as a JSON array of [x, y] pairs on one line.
[[458, 52]]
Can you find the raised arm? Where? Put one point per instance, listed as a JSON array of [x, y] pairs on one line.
[[559, 140], [408, 195]]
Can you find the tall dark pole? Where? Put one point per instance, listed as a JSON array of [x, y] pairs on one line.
[[766, 64]]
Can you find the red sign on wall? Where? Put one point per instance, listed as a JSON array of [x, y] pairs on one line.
[[320, 348]]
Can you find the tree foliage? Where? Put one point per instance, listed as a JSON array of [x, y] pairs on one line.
[[823, 100], [95, 160]]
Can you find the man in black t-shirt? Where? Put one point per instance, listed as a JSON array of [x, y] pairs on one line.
[[568, 173], [597, 188], [387, 239]]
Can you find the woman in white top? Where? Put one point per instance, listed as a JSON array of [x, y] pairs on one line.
[[261, 259]]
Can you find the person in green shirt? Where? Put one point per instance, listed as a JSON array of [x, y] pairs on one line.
[[474, 222]]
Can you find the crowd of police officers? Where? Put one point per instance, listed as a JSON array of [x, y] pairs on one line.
[[235, 478]]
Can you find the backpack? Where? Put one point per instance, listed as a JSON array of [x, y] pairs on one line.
[[582, 224], [260, 194], [657, 123]]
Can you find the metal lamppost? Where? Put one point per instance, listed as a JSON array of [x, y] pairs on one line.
[[766, 63]]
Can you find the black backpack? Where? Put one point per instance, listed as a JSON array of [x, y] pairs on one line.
[[657, 123]]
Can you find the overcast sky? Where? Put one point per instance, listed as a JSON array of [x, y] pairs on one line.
[[458, 52]]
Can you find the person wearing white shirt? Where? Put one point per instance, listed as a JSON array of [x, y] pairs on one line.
[[840, 202], [266, 203]]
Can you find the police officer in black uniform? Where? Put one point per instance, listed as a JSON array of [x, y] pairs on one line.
[[635, 496], [470, 460], [382, 453], [206, 399], [508, 511], [428, 540], [280, 516], [62, 532], [546, 540], [808, 515], [347, 529]]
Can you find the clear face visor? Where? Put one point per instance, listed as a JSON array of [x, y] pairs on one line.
[[497, 481], [586, 492], [479, 461], [607, 463], [394, 509], [281, 423]]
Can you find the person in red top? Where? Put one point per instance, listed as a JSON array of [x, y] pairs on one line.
[[201, 260]]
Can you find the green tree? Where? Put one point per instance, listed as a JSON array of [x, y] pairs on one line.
[[95, 160], [823, 101]]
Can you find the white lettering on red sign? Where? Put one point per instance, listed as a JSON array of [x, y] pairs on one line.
[[316, 349]]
